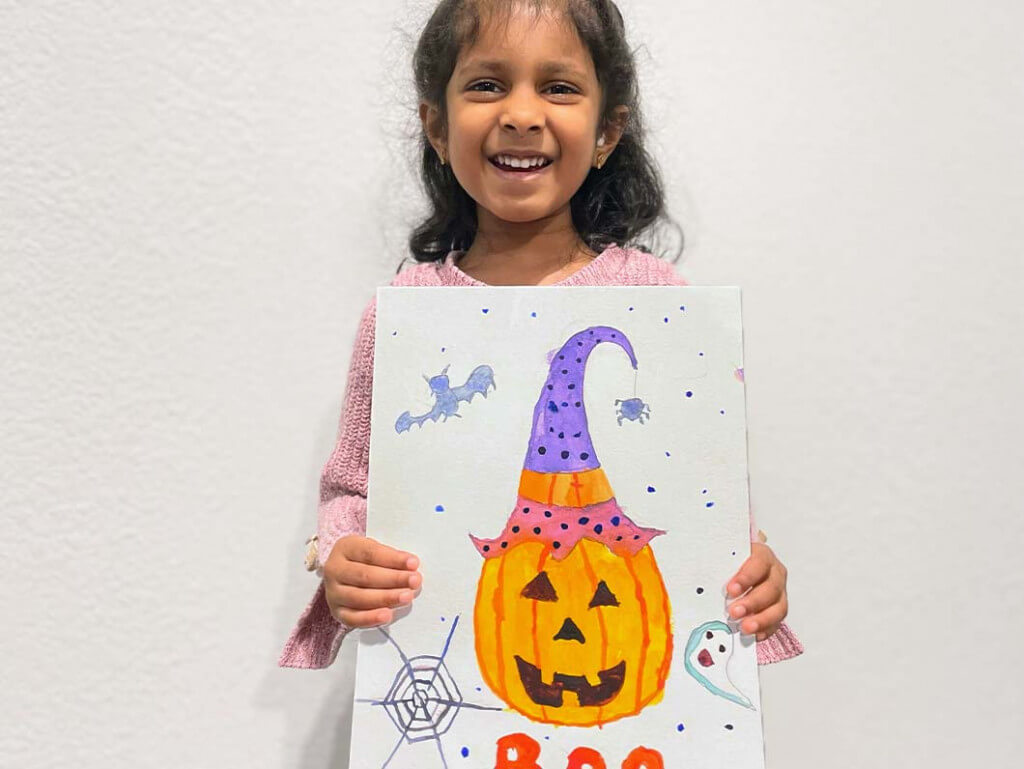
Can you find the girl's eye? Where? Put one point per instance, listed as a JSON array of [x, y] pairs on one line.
[[570, 89]]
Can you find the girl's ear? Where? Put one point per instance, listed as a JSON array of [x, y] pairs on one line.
[[613, 130], [429, 117]]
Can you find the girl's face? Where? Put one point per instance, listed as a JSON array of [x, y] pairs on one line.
[[530, 88]]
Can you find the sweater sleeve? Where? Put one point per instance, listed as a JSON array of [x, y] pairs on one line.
[[783, 643], [316, 638]]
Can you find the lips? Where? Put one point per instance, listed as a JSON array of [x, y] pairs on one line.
[[704, 658], [550, 695]]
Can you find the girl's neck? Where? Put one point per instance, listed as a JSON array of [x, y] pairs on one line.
[[523, 266]]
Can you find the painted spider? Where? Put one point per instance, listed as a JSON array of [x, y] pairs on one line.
[[633, 409]]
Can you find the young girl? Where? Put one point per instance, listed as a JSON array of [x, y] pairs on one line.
[[534, 164]]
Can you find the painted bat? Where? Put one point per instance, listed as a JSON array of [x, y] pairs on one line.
[[447, 398]]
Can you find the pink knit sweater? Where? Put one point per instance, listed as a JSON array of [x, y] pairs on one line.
[[317, 636]]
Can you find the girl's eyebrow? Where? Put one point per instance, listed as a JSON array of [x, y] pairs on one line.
[[565, 67]]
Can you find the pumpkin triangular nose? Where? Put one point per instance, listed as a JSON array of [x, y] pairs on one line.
[[569, 632]]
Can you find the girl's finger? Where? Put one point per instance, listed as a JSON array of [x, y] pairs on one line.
[[363, 598], [768, 620], [372, 552], [753, 571], [357, 618], [365, 576], [758, 599]]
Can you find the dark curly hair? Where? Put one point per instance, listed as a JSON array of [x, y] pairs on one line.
[[614, 205]]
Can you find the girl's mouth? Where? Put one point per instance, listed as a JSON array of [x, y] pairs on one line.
[[520, 174]]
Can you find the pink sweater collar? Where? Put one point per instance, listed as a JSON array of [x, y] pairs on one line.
[[599, 271]]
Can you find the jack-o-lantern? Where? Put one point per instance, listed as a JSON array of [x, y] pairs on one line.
[[572, 618]]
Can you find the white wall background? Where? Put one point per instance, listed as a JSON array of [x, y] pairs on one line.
[[196, 201]]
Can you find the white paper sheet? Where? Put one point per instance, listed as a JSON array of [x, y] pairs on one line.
[[667, 443]]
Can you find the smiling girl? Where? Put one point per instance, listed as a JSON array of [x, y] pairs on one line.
[[534, 166]]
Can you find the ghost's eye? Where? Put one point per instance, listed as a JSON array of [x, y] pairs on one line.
[[721, 648], [603, 596], [540, 589], [710, 635]]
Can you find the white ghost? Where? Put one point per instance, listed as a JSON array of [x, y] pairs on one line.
[[708, 652]]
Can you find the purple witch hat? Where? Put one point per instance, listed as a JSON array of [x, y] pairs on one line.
[[564, 494]]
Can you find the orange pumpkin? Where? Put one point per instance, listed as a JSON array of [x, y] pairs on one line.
[[562, 648], [572, 617]]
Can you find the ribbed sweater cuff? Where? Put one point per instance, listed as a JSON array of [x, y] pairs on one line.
[[780, 645], [336, 518], [316, 638]]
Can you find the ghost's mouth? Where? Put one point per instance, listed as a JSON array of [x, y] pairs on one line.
[[588, 694], [704, 658]]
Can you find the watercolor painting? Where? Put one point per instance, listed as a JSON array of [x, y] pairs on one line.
[[423, 699], [586, 516], [571, 579], [448, 398], [632, 409], [707, 657]]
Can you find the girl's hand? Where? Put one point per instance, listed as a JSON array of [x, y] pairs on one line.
[[766, 604], [364, 580]]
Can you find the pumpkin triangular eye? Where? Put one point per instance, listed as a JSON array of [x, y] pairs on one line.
[[603, 596], [540, 589]]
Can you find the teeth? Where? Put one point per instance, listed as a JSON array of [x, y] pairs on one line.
[[514, 162]]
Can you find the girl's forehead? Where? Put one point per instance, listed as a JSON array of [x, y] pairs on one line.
[[548, 46]]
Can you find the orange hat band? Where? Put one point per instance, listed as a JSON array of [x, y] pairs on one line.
[[589, 487]]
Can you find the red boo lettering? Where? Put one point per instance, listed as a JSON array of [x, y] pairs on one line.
[[520, 751]]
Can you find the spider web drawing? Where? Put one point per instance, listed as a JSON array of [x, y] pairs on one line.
[[423, 699]]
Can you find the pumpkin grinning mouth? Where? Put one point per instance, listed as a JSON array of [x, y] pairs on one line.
[[550, 695]]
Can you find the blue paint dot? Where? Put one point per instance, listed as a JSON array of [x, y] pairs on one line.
[[689, 393], [729, 727], [701, 354], [667, 454], [700, 591], [703, 491], [533, 315], [679, 727], [709, 504], [722, 411], [465, 752], [666, 320], [394, 333], [546, 737], [479, 689], [442, 349], [650, 489], [439, 509], [485, 310], [442, 619], [631, 309], [734, 552], [682, 307]]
